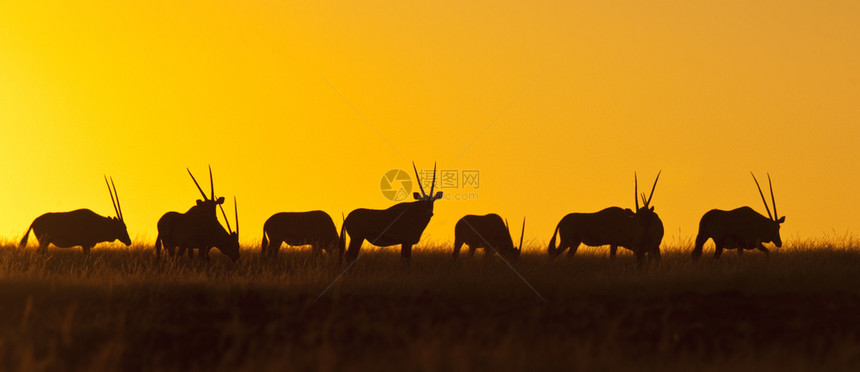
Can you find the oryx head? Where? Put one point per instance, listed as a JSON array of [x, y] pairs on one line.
[[516, 250], [211, 201], [645, 201], [772, 234], [230, 245], [118, 228], [423, 197], [647, 226]]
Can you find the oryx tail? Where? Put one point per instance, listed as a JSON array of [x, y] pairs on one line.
[[552, 247], [26, 235]]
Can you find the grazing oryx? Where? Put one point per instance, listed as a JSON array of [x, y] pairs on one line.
[[740, 228], [640, 231], [647, 226], [314, 228], [488, 232], [230, 240], [81, 227], [197, 228], [401, 223]]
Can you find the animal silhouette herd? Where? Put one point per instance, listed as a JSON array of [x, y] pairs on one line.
[[639, 230]]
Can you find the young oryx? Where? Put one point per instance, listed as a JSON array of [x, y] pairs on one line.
[[740, 228], [488, 232], [402, 223], [81, 227], [198, 228], [314, 228], [640, 231]]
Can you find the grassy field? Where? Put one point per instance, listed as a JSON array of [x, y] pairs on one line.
[[798, 309]]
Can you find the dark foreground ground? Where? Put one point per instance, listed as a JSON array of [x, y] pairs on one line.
[[119, 309]]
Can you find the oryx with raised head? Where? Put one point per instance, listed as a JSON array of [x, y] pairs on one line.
[[81, 227], [402, 223], [489, 232], [740, 228], [640, 231], [198, 228], [314, 228]]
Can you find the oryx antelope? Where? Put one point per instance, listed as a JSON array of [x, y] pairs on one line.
[[488, 232], [402, 223], [647, 226], [314, 228], [640, 231], [230, 240], [81, 227], [198, 228], [740, 228]]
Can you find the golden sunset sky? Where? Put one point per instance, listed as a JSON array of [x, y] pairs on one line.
[[303, 105]]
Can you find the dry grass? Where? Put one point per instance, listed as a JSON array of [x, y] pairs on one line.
[[798, 309]]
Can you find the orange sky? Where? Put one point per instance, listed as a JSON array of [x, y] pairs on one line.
[[302, 105]]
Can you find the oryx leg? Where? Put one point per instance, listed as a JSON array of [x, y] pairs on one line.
[[700, 242], [457, 246], [573, 247], [763, 249], [405, 252], [87, 248], [275, 246], [654, 254], [562, 245], [719, 249], [472, 250], [353, 249], [43, 244], [640, 256], [613, 249]]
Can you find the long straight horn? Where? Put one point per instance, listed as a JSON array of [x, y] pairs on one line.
[[522, 234], [652, 189], [762, 196], [236, 212], [772, 199], [636, 190], [119, 206], [198, 185], [211, 184], [111, 198], [225, 218], [433, 185], [418, 178]]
